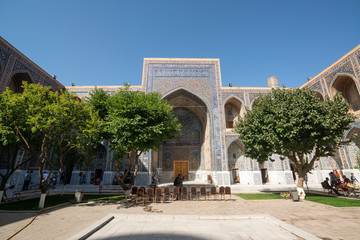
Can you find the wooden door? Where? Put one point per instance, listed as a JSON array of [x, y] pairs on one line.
[[181, 167]]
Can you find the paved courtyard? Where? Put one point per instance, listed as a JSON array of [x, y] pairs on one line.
[[196, 227], [180, 219]]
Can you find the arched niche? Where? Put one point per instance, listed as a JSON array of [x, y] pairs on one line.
[[234, 153], [185, 154], [233, 108], [347, 87], [16, 82], [319, 95], [354, 134], [237, 162]]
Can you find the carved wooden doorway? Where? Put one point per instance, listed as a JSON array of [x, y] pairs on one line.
[[181, 167]]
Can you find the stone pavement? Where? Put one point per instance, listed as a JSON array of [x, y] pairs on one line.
[[195, 227], [323, 221]]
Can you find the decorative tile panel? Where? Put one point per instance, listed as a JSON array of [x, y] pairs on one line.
[[199, 77], [346, 68], [4, 57]]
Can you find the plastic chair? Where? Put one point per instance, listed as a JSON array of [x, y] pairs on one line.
[[227, 192], [184, 191], [134, 190], [193, 191], [202, 192], [140, 194], [213, 192], [222, 192], [175, 192], [158, 193], [166, 193], [149, 193]]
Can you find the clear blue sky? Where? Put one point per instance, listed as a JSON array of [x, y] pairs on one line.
[[104, 42]]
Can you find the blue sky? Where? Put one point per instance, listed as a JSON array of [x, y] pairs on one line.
[[104, 42]]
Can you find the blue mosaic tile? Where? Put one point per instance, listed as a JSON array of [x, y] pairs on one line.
[[346, 68], [4, 57]]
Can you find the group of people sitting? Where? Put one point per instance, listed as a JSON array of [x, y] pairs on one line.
[[347, 185]]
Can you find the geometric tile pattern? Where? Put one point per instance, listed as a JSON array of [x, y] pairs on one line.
[[12, 61], [199, 77], [346, 68]]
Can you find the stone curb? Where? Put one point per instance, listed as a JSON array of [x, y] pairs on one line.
[[87, 232]]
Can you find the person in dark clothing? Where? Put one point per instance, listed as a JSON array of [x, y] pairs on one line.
[[27, 180], [327, 186], [333, 179], [179, 182], [353, 178], [346, 179]]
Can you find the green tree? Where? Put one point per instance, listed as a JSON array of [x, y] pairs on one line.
[[134, 122], [8, 155], [45, 122], [357, 160], [296, 124], [9, 148]]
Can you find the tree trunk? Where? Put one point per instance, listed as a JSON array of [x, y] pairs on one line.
[[64, 187], [2, 187], [127, 193], [300, 183], [3, 182], [122, 180], [42, 200]]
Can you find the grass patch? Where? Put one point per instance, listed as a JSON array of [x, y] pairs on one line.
[[32, 204], [50, 201], [104, 198], [333, 201], [258, 196]]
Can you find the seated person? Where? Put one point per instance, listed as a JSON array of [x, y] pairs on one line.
[[115, 181], [346, 180], [97, 181], [351, 187], [353, 178], [327, 186], [341, 185]]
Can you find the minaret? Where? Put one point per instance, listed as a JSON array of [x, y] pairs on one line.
[[273, 82]]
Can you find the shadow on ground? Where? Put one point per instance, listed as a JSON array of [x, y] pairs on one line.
[[151, 236]]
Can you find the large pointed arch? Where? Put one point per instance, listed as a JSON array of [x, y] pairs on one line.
[[17, 79], [188, 152], [346, 85], [319, 95]]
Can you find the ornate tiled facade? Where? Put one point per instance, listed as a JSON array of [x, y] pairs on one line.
[[194, 87], [12, 61]]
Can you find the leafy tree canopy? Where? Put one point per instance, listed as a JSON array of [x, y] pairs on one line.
[[294, 123], [44, 121], [134, 121]]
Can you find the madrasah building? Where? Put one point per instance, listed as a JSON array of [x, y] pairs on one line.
[[208, 147]]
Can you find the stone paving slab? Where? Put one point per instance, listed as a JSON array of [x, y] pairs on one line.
[[323, 221], [197, 227]]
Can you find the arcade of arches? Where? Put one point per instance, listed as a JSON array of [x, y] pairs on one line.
[[208, 112]]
